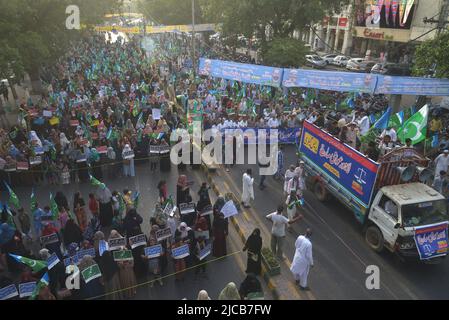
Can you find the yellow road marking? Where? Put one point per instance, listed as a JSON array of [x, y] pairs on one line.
[[261, 224]]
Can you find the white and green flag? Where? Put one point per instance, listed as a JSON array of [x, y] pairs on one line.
[[415, 127]]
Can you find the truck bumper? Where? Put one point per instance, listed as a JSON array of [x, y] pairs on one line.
[[411, 255]]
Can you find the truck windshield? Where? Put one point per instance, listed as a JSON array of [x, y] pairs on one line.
[[419, 214]]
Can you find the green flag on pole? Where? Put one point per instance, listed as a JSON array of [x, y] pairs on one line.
[[33, 205], [43, 282], [35, 265], [53, 208], [13, 199], [415, 128], [95, 182]]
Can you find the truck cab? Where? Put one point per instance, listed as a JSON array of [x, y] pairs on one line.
[[390, 197], [397, 211]]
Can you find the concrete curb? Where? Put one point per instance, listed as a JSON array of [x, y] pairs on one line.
[[265, 275]]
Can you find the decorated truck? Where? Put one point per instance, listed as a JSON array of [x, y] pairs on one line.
[[391, 198]]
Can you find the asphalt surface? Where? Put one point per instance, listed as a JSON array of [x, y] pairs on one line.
[[220, 271], [341, 254]]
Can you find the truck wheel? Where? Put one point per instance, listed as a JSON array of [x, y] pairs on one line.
[[374, 238], [320, 192]]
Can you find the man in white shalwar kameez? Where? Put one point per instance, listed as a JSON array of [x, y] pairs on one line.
[[248, 191], [303, 260], [441, 163]]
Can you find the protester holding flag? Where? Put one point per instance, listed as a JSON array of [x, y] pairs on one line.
[[219, 233], [254, 246], [154, 264], [80, 213], [109, 269], [126, 272]]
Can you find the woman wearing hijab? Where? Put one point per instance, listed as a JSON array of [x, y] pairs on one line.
[[229, 292], [109, 270], [219, 232], [183, 196], [11, 242], [254, 246], [180, 264], [112, 165], [104, 197], [128, 165], [61, 200], [34, 139], [96, 164], [80, 213], [162, 187], [164, 159], [55, 247], [94, 288], [203, 295], [204, 200], [126, 273]]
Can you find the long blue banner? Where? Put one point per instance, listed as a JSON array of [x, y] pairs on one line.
[[249, 73], [412, 86], [329, 80], [285, 136], [340, 163], [431, 241]]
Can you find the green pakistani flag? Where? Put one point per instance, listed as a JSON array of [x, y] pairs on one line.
[[43, 282], [33, 205], [396, 120], [96, 183], [35, 265], [13, 199], [53, 207], [415, 128]]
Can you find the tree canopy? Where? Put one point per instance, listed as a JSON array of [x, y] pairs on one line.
[[284, 52], [170, 12], [431, 57]]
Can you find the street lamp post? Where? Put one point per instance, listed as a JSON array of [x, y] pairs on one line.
[[193, 39]]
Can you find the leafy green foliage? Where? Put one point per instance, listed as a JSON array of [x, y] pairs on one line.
[[285, 52], [270, 258], [252, 17], [34, 32], [433, 53]]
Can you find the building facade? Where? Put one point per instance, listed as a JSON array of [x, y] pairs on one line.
[[376, 28]]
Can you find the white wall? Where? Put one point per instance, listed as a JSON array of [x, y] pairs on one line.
[[429, 9]]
